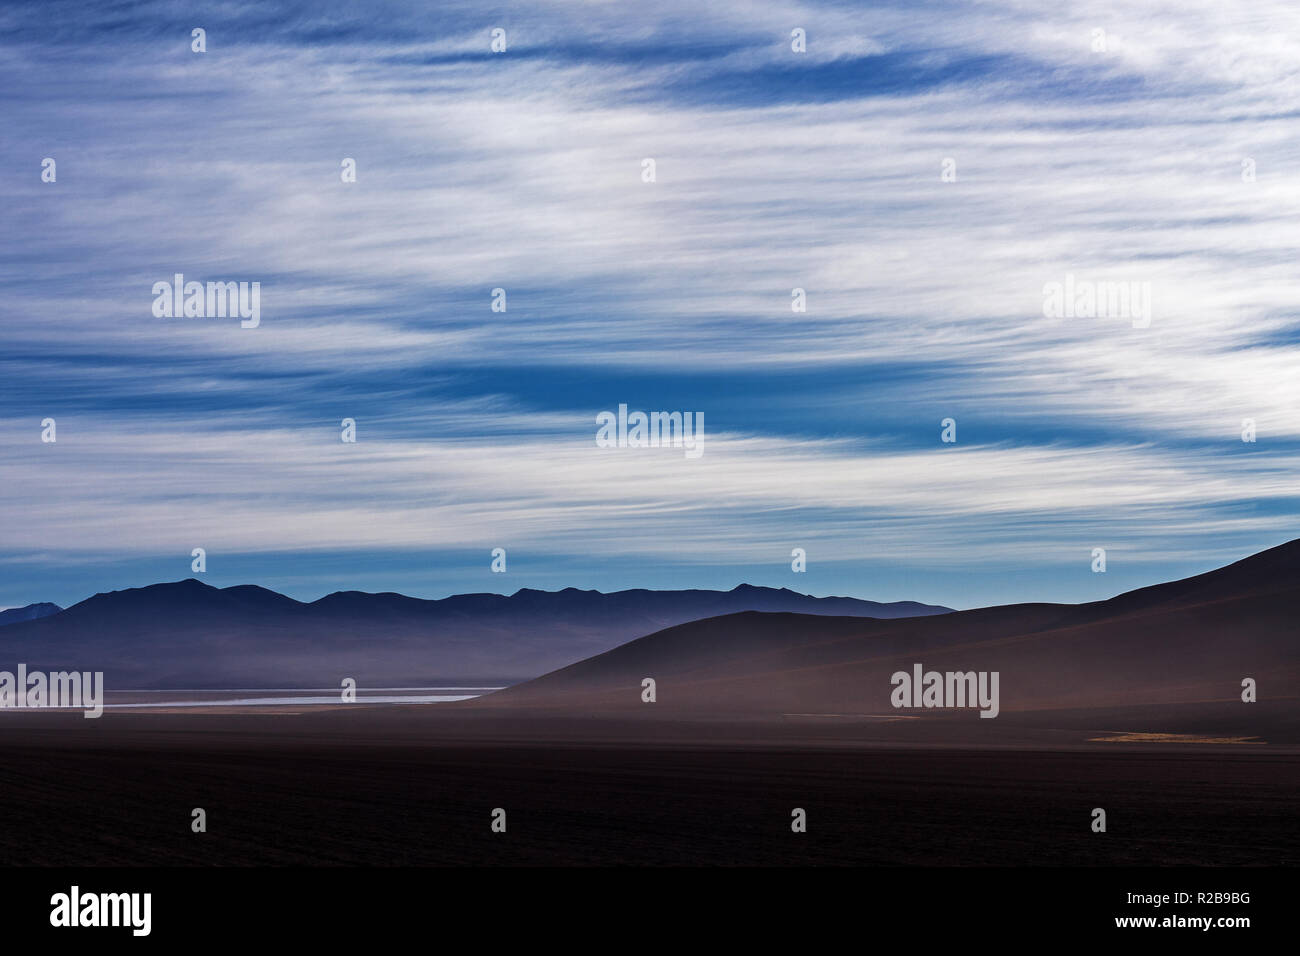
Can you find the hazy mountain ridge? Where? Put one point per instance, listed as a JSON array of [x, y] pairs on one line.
[[16, 615], [188, 633]]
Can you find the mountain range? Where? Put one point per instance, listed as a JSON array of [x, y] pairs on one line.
[[746, 652], [190, 634]]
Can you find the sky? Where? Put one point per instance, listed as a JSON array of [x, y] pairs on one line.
[[924, 172]]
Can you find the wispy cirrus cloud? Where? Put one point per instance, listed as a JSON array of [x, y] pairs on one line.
[[775, 170]]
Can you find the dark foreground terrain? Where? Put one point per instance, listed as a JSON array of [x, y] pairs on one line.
[[417, 785]]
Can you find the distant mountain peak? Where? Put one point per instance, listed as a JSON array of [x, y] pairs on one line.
[[16, 615], [186, 584]]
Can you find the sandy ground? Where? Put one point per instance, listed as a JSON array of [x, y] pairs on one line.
[[374, 784]]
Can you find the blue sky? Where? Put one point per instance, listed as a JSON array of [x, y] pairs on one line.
[[522, 170]]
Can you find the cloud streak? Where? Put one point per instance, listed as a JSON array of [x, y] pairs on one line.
[[775, 170]]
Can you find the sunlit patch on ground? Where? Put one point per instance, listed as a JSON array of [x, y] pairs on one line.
[[1139, 737]]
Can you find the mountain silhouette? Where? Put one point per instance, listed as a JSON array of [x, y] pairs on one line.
[[1193, 640], [190, 634], [31, 612]]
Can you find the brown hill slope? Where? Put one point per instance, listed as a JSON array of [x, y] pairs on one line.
[[1182, 642]]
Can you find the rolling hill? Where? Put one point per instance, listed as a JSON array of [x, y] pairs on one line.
[[1187, 641]]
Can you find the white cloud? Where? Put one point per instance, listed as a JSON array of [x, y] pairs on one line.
[[524, 173]]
